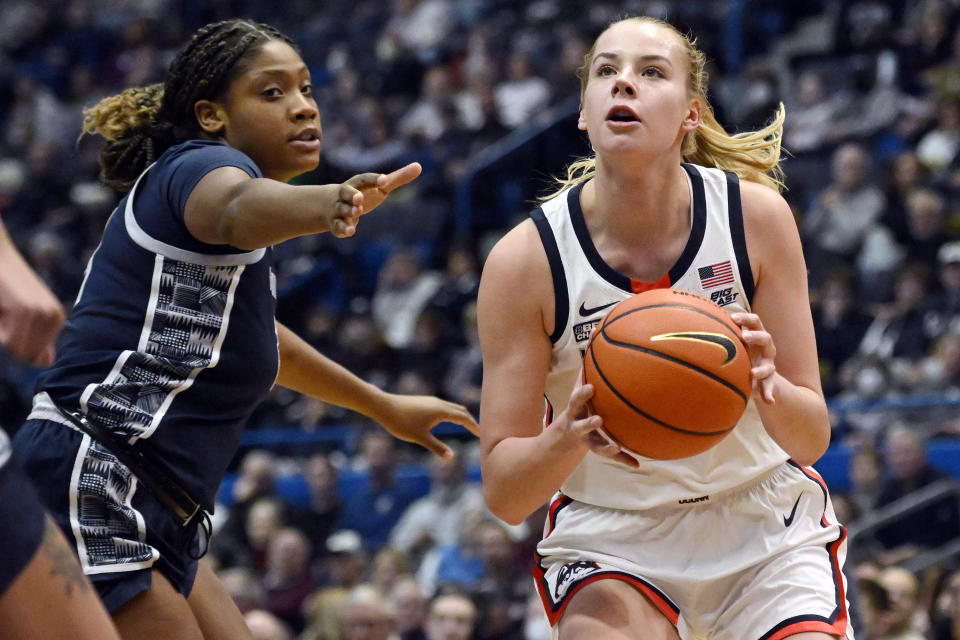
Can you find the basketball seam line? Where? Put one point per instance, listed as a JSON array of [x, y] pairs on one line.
[[644, 413]]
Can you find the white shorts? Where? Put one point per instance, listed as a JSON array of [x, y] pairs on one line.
[[759, 562]]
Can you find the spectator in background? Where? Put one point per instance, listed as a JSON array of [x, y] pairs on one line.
[[256, 479], [906, 459], [843, 213], [811, 110], [943, 312], [403, 290], [264, 625], [345, 568], [465, 373], [905, 618], [839, 323], [244, 587], [375, 505], [522, 95], [904, 174], [366, 615], [435, 519], [318, 517], [938, 147], [451, 616], [925, 227], [409, 609], [897, 331], [945, 607], [288, 580]]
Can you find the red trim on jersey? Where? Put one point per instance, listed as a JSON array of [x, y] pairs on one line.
[[639, 286], [555, 611], [836, 629], [839, 625]]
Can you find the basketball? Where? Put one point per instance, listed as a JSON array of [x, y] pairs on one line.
[[670, 372]]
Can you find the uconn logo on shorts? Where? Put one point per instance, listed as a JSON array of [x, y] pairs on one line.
[[571, 573]]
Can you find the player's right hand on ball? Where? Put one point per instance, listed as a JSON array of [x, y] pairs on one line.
[[588, 426]]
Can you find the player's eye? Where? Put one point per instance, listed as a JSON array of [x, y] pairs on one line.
[[606, 70], [307, 89], [652, 72], [272, 92]]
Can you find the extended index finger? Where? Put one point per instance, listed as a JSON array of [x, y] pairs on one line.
[[400, 177]]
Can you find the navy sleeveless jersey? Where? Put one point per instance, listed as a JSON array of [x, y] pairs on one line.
[[171, 342]]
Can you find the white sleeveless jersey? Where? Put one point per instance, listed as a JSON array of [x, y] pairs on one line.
[[714, 264]]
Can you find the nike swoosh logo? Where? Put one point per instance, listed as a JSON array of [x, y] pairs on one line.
[[589, 311], [788, 520], [728, 345]]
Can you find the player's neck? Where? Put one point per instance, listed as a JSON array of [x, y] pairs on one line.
[[638, 201]]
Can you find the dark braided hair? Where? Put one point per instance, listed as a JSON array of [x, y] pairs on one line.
[[140, 123]]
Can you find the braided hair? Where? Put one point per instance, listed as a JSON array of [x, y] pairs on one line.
[[140, 123]]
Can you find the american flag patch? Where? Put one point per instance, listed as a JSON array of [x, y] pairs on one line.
[[716, 274]]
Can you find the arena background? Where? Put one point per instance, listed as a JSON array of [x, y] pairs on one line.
[[483, 94]]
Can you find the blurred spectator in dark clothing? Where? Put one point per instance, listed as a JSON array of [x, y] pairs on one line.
[[937, 148], [905, 174], [288, 580], [256, 479], [929, 527], [344, 568], [319, 516], [943, 312], [839, 324], [926, 232], [898, 329], [381, 497]]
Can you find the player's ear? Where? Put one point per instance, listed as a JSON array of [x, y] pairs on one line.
[[581, 121], [210, 116], [691, 119]]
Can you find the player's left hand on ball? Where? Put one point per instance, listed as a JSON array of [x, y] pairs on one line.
[[412, 418], [762, 353]]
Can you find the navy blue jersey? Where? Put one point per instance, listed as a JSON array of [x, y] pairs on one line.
[[172, 342]]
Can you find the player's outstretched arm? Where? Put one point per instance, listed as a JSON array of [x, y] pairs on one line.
[[409, 418], [30, 315], [229, 207]]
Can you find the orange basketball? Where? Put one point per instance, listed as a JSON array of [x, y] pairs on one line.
[[670, 372]]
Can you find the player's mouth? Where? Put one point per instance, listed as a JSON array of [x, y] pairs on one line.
[[307, 139], [622, 116]]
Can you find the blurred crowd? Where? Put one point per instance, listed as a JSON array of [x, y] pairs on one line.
[[367, 549]]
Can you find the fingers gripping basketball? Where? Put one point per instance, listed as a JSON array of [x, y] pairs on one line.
[[671, 374]]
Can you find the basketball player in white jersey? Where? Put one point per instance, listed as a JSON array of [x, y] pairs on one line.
[[739, 542]]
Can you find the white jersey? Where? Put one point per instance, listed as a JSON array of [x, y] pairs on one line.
[[714, 264]]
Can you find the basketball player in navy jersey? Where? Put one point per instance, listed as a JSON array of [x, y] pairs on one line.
[[39, 574], [172, 342], [739, 542]]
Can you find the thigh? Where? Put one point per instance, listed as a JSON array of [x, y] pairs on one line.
[[159, 613], [614, 610], [214, 609], [52, 581]]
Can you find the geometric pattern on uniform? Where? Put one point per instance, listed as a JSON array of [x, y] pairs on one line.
[[189, 311], [108, 525]]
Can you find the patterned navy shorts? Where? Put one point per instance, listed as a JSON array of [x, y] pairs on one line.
[[21, 518], [119, 530]]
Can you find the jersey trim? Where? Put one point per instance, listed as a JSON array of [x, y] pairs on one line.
[[151, 244], [737, 234], [561, 301], [698, 225]]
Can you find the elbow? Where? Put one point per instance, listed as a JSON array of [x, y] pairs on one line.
[[501, 506]]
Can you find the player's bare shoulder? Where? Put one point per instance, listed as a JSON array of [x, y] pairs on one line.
[[764, 210], [516, 278]]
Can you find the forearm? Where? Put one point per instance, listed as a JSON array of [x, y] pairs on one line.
[[798, 421], [306, 370], [520, 474], [263, 212]]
